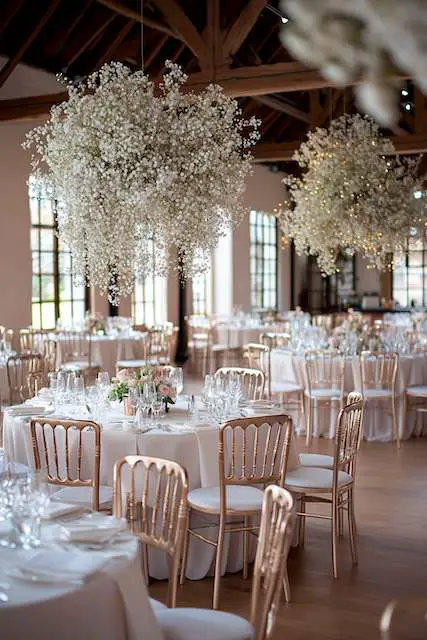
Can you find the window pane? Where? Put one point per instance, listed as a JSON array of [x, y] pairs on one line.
[[34, 211], [35, 239], [46, 261], [65, 287], [66, 313], [64, 263], [48, 315], [36, 262], [46, 239], [48, 288], [35, 317], [46, 212]]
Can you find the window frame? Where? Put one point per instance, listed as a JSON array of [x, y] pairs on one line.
[[405, 271], [159, 310], [259, 292]]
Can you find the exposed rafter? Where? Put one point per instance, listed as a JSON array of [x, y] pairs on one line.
[[16, 58], [83, 43], [284, 107], [122, 10], [181, 24], [283, 151], [11, 10], [19, 108], [112, 45], [239, 31]]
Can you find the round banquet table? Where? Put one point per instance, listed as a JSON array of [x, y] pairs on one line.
[[110, 603], [412, 370], [235, 336], [193, 446], [106, 350]]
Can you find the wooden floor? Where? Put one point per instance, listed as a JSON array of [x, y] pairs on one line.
[[391, 510]]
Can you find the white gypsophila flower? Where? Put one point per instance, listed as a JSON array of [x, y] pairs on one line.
[[353, 195], [371, 40], [130, 161]]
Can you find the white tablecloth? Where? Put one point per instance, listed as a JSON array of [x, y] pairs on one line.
[[112, 604], [236, 336], [195, 450], [106, 350], [412, 370]]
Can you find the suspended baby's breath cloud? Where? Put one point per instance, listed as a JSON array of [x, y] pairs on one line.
[[130, 161], [354, 194]]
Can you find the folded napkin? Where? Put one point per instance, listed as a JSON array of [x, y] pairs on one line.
[[57, 563], [28, 410], [93, 529], [59, 509]]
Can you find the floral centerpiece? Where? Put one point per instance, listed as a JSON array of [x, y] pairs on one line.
[[128, 378], [95, 323]]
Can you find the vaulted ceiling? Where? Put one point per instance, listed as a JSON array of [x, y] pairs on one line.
[[233, 42]]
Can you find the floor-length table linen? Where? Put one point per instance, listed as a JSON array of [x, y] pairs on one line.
[[111, 604], [412, 370], [195, 450]]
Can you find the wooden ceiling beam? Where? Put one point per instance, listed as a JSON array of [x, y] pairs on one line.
[[240, 29], [155, 51], [85, 42], [274, 152], [6, 18], [181, 24], [284, 107], [214, 35], [108, 50], [122, 10], [20, 108], [56, 46], [16, 58]]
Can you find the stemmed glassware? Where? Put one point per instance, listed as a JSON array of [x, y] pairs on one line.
[[156, 406]]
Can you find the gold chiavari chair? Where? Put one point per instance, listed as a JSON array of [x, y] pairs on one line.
[[275, 340], [332, 486], [140, 350], [49, 355], [36, 381], [415, 399], [269, 570], [204, 345], [18, 369], [378, 374], [152, 494], [76, 352], [32, 340], [323, 321], [159, 350], [70, 450], [319, 459], [324, 372], [252, 380], [6, 335], [251, 452], [406, 618]]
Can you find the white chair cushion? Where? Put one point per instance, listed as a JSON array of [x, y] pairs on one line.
[[132, 363], [377, 393], [77, 365], [324, 393], [285, 387], [203, 624], [314, 478], [83, 495], [316, 460], [420, 392], [238, 497], [156, 605]]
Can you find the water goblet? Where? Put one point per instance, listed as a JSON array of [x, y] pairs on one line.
[[156, 406]]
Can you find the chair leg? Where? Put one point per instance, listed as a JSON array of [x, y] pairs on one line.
[[302, 410], [185, 549], [340, 517], [286, 585], [309, 422], [301, 524], [245, 548], [335, 535], [173, 582], [352, 527], [218, 563], [395, 425], [145, 568]]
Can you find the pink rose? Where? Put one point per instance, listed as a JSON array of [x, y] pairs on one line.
[[123, 375]]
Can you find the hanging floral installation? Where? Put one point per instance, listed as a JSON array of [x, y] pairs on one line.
[[373, 43], [131, 161], [354, 195]]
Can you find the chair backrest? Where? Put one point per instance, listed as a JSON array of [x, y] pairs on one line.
[[152, 494], [270, 562], [252, 380], [258, 356], [347, 438], [324, 370], [159, 348], [274, 339], [253, 451], [75, 345], [18, 368], [378, 370], [323, 321], [32, 340], [70, 450], [36, 381], [49, 355]]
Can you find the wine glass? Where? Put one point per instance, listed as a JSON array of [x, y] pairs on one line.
[[103, 381], [179, 380], [156, 405], [134, 397]]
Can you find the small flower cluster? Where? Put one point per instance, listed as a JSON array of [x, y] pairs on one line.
[[362, 39], [95, 323], [127, 379], [352, 195], [132, 162]]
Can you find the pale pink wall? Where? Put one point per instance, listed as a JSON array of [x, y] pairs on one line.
[[264, 191], [15, 257]]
